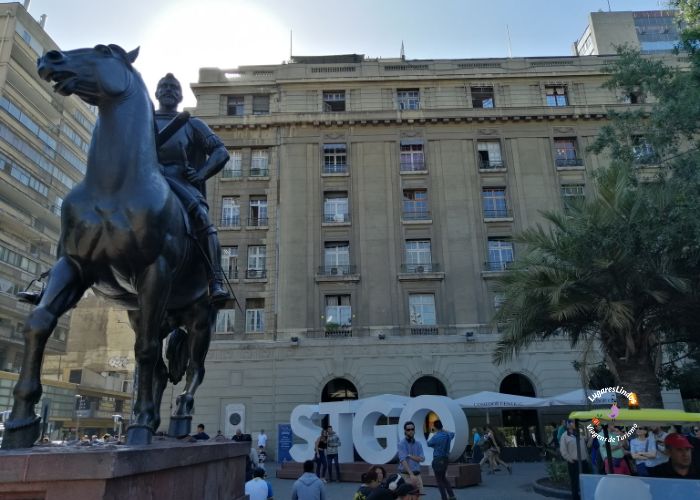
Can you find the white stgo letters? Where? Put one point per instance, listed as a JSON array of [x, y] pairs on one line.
[[356, 423]]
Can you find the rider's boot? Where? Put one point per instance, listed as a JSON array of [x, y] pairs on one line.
[[217, 289]]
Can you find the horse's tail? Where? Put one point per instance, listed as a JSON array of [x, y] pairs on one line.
[[177, 354]]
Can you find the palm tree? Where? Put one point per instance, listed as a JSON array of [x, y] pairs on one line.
[[596, 275]]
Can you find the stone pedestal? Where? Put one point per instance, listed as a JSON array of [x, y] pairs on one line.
[[165, 469]]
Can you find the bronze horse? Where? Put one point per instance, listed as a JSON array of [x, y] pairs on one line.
[[125, 234]]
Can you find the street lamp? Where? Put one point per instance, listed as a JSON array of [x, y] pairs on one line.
[[79, 400]]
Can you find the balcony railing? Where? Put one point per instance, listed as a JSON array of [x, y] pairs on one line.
[[336, 218], [256, 274], [498, 265], [257, 221], [423, 330], [231, 274], [431, 267], [231, 221], [231, 173], [569, 162], [499, 213], [416, 215], [259, 172], [413, 166], [338, 331], [491, 164], [340, 270], [338, 168]]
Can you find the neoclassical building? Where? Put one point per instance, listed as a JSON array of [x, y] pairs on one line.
[[366, 210]]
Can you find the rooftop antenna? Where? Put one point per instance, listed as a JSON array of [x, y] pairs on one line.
[[510, 50], [609, 9], [290, 45], [403, 53]]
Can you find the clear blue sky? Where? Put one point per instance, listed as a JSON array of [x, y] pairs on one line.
[[181, 36]]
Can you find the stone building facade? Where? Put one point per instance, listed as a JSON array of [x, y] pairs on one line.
[[366, 210]]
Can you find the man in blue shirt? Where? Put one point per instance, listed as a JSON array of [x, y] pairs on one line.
[[411, 455], [440, 443]]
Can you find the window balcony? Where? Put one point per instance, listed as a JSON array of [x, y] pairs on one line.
[[256, 274], [257, 222], [259, 172], [230, 222], [499, 213], [231, 174], [423, 330], [231, 274], [492, 165], [431, 267], [336, 218], [413, 166], [339, 270], [569, 162], [497, 265], [338, 168], [338, 331], [416, 215]]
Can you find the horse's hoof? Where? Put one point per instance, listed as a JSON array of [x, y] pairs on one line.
[[21, 433], [180, 426], [139, 434]]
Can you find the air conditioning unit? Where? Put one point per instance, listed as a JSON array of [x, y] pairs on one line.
[[235, 419]]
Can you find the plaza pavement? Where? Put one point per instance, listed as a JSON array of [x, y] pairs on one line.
[[499, 486]]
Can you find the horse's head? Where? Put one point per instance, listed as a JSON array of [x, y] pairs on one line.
[[94, 75]]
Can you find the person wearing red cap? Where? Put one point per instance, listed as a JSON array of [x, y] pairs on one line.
[[679, 465]]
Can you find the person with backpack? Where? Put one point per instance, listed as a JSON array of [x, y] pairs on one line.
[[440, 443]]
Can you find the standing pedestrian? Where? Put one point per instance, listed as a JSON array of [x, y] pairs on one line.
[[258, 488], [262, 439], [320, 454], [569, 452], [411, 455], [308, 486], [332, 453], [440, 443]]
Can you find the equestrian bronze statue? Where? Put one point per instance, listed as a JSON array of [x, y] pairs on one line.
[[126, 234]]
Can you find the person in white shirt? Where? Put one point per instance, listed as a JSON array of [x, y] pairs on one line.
[[643, 451], [657, 436], [569, 452], [257, 488], [262, 439]]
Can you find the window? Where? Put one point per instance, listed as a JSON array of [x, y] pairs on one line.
[[642, 152], [229, 262], [235, 105], [498, 299], [571, 193], [418, 256], [335, 207], [336, 257], [230, 212], [494, 202], [338, 310], [28, 180], [261, 104], [482, 97], [489, 154], [8, 287], [257, 211], [500, 255], [556, 95], [256, 261], [408, 99], [255, 315], [565, 152], [234, 165], [14, 259], [259, 161], [415, 204], [334, 100], [421, 309], [411, 157], [335, 159], [634, 97], [225, 320]]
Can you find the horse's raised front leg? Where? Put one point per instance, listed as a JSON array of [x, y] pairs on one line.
[[153, 289], [64, 288], [199, 321]]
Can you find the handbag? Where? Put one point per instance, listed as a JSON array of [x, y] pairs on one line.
[[440, 464]]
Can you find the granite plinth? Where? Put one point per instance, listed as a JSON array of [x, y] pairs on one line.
[[167, 468]]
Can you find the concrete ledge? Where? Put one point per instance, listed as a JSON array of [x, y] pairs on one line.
[[549, 491], [166, 469]]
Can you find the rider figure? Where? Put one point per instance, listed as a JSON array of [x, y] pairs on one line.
[[190, 157]]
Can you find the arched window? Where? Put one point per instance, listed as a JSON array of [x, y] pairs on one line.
[[517, 384], [428, 386], [338, 389]]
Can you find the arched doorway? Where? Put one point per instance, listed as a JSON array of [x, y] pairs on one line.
[[428, 386], [521, 426], [338, 389]]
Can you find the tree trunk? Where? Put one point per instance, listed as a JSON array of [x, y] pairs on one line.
[[639, 376]]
